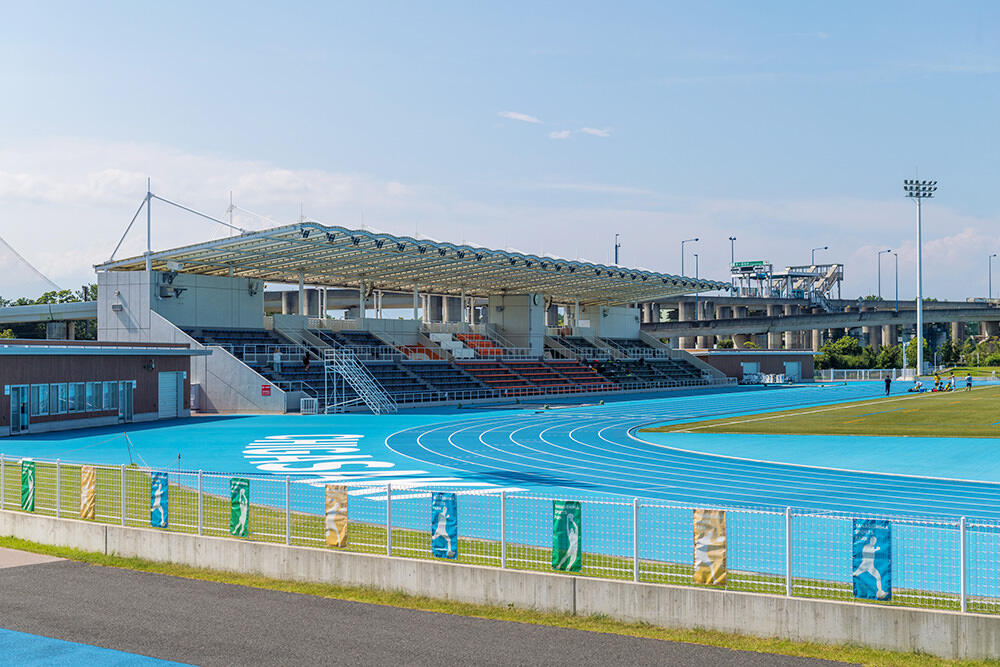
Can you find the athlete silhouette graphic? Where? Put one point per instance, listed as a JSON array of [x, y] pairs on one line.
[[868, 566], [441, 529], [573, 536]]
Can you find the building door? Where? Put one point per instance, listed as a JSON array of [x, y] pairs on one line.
[[793, 370], [125, 401], [18, 409], [170, 392]]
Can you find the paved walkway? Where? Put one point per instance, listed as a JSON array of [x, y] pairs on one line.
[[208, 623]]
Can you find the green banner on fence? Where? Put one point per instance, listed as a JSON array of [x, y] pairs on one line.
[[239, 512], [28, 486], [567, 549]]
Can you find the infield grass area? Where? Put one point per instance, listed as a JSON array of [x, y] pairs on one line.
[[966, 414]]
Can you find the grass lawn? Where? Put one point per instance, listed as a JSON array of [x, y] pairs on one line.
[[974, 371], [974, 414]]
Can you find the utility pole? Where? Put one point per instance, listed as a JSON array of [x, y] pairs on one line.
[[617, 246], [919, 190]]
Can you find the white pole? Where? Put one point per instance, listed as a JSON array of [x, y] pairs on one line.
[[963, 568], [635, 539], [920, 296], [201, 504], [788, 551], [3, 471], [416, 300], [288, 509], [503, 529], [388, 519], [123, 492], [361, 301], [149, 228], [58, 485], [303, 310]]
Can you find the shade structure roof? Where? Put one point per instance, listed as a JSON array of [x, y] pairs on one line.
[[341, 257]]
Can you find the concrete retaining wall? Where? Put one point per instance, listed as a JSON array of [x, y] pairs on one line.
[[945, 634]]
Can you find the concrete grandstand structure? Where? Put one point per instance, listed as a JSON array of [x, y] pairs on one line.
[[481, 324]]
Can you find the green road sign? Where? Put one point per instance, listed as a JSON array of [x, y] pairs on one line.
[[239, 511], [28, 486], [567, 546], [737, 265]]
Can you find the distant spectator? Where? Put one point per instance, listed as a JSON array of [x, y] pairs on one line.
[[306, 360]]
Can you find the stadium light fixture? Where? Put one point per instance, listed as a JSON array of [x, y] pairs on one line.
[[919, 190], [880, 253], [812, 254], [694, 240]]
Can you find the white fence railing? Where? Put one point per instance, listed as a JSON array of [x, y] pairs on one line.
[[948, 563]]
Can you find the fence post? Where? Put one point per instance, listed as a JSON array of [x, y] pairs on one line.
[[635, 539], [123, 492], [788, 551], [58, 479], [963, 568], [388, 519], [3, 482], [288, 509], [503, 529], [201, 506]]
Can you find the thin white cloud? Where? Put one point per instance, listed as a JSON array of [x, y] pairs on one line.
[[560, 134], [595, 132], [515, 115]]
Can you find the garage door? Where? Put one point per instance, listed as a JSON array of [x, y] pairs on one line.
[[169, 400]]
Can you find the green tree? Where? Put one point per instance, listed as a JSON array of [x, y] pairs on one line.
[[7, 333], [725, 343], [750, 345]]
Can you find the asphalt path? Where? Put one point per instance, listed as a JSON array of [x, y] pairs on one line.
[[208, 623]]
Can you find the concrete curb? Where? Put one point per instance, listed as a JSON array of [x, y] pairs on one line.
[[941, 633]]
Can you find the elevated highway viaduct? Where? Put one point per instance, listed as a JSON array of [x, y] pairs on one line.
[[788, 324]]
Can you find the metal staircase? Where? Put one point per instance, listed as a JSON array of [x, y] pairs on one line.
[[342, 366]]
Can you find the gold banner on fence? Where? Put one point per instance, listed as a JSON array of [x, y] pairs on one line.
[[336, 515], [88, 492], [710, 547]]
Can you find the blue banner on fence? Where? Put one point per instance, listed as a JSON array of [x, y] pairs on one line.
[[444, 525], [872, 560], [158, 497]]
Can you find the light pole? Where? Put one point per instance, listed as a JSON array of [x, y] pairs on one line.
[[732, 250], [896, 256], [880, 253], [812, 254], [989, 280], [694, 240], [919, 190], [617, 245]]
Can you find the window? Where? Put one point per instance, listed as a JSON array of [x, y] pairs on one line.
[[95, 401], [39, 400], [110, 395], [58, 401], [77, 396]]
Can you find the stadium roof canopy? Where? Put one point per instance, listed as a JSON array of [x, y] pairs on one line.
[[336, 256]]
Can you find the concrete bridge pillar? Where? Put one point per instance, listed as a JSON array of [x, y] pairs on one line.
[[774, 335], [647, 312], [707, 313], [958, 332], [654, 312], [989, 329], [687, 311], [889, 336], [793, 339], [817, 339], [725, 312]]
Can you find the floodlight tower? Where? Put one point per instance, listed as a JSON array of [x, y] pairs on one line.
[[919, 190]]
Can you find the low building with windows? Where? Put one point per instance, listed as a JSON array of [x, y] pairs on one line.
[[750, 365], [54, 385]]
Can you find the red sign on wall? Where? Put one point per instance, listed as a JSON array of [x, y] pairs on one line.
[[265, 390]]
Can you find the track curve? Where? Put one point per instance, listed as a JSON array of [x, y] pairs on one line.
[[595, 450]]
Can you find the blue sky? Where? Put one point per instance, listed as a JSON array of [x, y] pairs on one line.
[[545, 128]]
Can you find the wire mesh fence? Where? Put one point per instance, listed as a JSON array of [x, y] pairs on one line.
[[941, 563]]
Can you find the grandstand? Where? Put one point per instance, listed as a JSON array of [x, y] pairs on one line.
[[486, 324]]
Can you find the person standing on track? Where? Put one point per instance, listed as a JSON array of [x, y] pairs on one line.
[[968, 382], [888, 383]]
